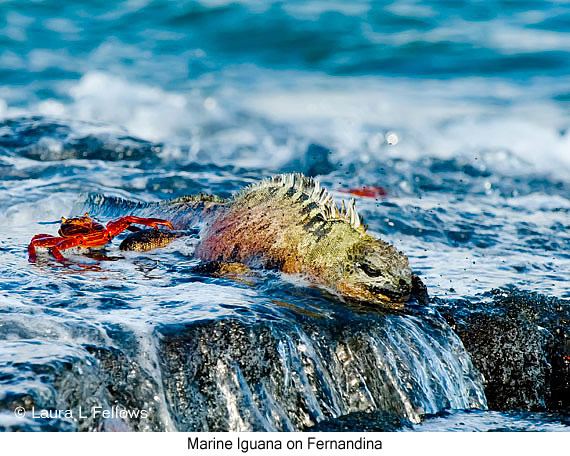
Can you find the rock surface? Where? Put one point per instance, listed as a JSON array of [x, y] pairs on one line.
[[521, 344]]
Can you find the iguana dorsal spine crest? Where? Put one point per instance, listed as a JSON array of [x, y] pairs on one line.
[[317, 194]]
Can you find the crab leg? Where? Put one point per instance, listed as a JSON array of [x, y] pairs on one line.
[[65, 244], [114, 227], [56, 244], [41, 240]]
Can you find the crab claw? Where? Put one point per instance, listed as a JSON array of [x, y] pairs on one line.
[[119, 225], [165, 223]]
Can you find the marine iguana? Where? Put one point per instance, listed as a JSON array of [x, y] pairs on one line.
[[286, 222]]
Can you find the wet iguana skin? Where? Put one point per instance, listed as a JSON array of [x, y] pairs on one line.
[[286, 222]]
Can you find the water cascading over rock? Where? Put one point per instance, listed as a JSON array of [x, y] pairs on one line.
[[232, 375]]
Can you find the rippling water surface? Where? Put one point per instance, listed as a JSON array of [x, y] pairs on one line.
[[458, 110]]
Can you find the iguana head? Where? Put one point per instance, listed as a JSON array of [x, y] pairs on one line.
[[375, 272]]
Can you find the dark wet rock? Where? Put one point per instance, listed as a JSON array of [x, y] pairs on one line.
[[520, 342], [42, 139], [222, 375], [377, 421], [35, 379], [130, 387], [95, 384], [270, 372], [344, 369]]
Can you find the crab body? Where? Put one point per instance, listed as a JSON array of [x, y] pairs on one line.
[[86, 232]]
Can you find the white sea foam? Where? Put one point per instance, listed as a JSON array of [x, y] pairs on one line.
[[148, 112], [353, 116], [433, 118], [50, 208]]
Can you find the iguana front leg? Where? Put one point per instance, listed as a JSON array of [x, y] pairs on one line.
[[237, 272], [223, 269], [145, 240]]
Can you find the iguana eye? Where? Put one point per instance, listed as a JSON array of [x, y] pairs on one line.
[[370, 271]]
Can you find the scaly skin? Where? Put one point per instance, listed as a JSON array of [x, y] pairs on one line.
[[288, 223]]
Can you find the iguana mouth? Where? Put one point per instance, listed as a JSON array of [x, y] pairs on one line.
[[366, 291], [391, 295], [416, 290]]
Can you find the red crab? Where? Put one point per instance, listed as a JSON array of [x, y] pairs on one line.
[[86, 232]]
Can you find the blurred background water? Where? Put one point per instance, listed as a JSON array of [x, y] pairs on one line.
[[459, 110]]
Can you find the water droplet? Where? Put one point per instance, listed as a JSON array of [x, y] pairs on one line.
[[392, 138], [210, 103]]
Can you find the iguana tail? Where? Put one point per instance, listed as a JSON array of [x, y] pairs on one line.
[[184, 212]]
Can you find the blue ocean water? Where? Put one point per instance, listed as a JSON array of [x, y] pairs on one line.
[[459, 110]]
